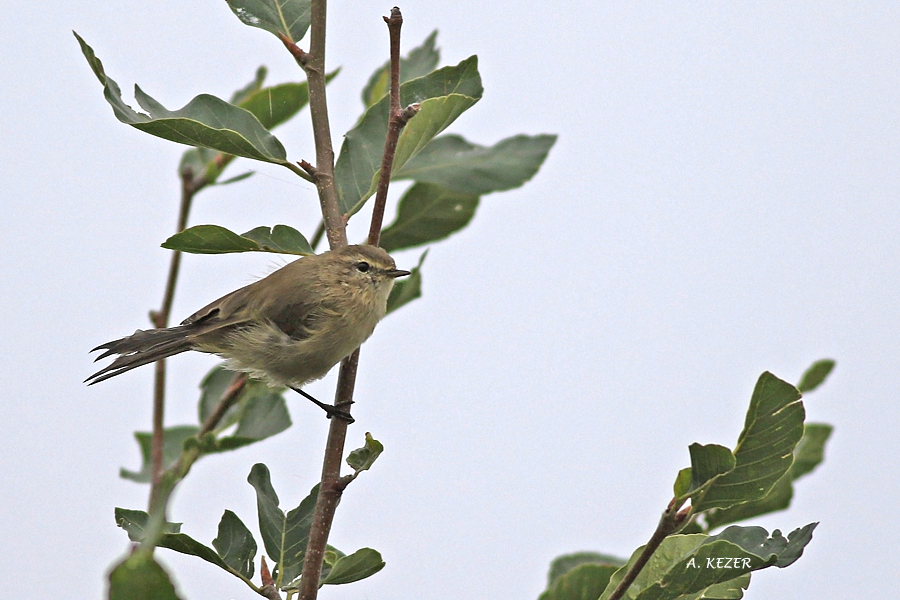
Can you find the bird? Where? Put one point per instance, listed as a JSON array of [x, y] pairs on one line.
[[288, 329]]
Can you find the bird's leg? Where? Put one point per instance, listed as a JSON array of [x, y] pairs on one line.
[[330, 410]]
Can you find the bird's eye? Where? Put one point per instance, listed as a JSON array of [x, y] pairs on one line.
[[362, 267]]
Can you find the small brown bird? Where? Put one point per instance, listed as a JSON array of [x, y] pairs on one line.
[[288, 329]]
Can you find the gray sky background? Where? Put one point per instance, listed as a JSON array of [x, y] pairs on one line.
[[722, 201]]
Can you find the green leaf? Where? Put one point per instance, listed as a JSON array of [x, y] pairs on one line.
[[779, 498], [214, 239], [212, 388], [139, 577], [363, 563], [584, 582], [682, 485], [135, 523], [810, 452], [272, 106], [284, 535], [290, 17], [443, 94], [235, 544], [708, 463], [173, 438], [687, 566], [205, 121], [407, 289], [453, 163], [565, 563], [254, 86], [427, 213], [773, 426], [420, 61], [807, 455], [815, 375], [281, 239], [363, 458]]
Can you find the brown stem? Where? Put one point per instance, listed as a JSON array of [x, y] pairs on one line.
[[397, 121], [160, 320], [671, 521], [332, 485], [229, 397]]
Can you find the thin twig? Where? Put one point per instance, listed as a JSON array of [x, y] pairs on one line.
[[160, 320], [671, 521], [229, 397], [396, 123], [317, 236]]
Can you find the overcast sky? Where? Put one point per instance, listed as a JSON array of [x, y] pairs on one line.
[[722, 200]]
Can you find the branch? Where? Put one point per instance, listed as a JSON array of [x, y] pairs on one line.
[[671, 521], [189, 455], [332, 485], [398, 119], [160, 319], [313, 63]]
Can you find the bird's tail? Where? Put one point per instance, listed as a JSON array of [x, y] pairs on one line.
[[141, 348]]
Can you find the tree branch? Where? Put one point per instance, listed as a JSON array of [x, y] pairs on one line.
[[671, 521], [332, 486], [160, 319], [396, 123]]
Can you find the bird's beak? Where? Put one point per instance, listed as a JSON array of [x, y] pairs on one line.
[[396, 273]]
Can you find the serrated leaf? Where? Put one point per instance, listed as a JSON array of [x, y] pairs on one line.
[[427, 213], [140, 577], [684, 567], [290, 17], [235, 544], [205, 121], [173, 438], [764, 452], [284, 535], [420, 61], [565, 563], [363, 458], [215, 239], [453, 163], [443, 95], [815, 375], [407, 289], [363, 563]]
